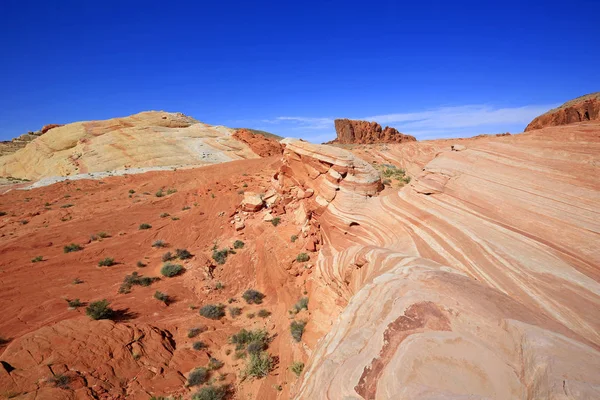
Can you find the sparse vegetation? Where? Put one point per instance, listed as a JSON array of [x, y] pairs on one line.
[[294, 238], [220, 256], [72, 247], [140, 264], [193, 332], [213, 311], [4, 341], [244, 337], [199, 346], [170, 270], [99, 310], [302, 257], [259, 365], [219, 285], [77, 281], [160, 193], [390, 172], [162, 297], [250, 315], [131, 191], [198, 376], [275, 221], [135, 280], [159, 243], [256, 347], [211, 392], [75, 303], [183, 254], [185, 208], [145, 226], [106, 262], [164, 215], [297, 329], [168, 256], [60, 381], [235, 311], [297, 368], [238, 244], [253, 296], [37, 259], [264, 313], [171, 191], [3, 213], [214, 364], [301, 304], [66, 206]]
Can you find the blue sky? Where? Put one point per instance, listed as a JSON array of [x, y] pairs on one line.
[[432, 69]]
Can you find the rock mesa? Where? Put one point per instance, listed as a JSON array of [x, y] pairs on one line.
[[364, 132]]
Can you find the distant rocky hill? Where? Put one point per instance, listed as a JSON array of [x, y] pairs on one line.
[[146, 140], [364, 132], [584, 108], [10, 146]]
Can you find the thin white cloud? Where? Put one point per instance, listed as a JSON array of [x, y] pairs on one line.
[[434, 123]]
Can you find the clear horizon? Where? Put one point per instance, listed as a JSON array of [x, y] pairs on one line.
[[446, 70]]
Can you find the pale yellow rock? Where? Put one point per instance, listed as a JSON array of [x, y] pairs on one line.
[[252, 202], [144, 140]]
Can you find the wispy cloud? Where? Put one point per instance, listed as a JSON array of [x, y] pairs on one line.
[[454, 121]]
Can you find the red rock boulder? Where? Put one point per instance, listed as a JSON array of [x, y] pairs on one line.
[[365, 132]]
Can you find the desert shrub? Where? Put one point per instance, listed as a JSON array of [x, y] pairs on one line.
[[131, 191], [301, 304], [168, 256], [135, 280], [302, 257], [3, 213], [240, 354], [213, 311], [66, 206], [72, 247], [259, 365], [171, 191], [250, 315], [4, 341], [387, 181], [160, 193], [253, 296], [263, 313], [164, 215], [183, 254], [37, 259], [214, 364], [145, 226], [60, 381], [231, 300], [199, 345], [297, 329], [235, 311], [211, 392], [275, 221], [220, 256], [198, 376], [75, 303], [162, 297], [244, 337], [256, 346], [171, 270], [102, 235], [297, 368], [185, 208], [99, 310], [140, 264], [294, 238], [175, 218], [238, 244], [159, 243], [193, 332], [219, 285], [77, 281], [106, 262]]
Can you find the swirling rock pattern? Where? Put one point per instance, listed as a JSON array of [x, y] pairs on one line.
[[487, 287]]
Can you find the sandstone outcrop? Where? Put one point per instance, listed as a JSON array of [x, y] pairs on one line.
[[364, 132], [260, 144], [581, 109], [442, 279], [152, 139]]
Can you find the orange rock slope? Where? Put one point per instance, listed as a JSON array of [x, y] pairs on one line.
[[478, 279]]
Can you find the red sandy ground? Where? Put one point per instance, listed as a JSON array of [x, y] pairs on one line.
[[33, 294]]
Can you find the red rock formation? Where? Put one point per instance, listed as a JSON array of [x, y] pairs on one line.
[[584, 108], [261, 145], [364, 132], [46, 128]]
